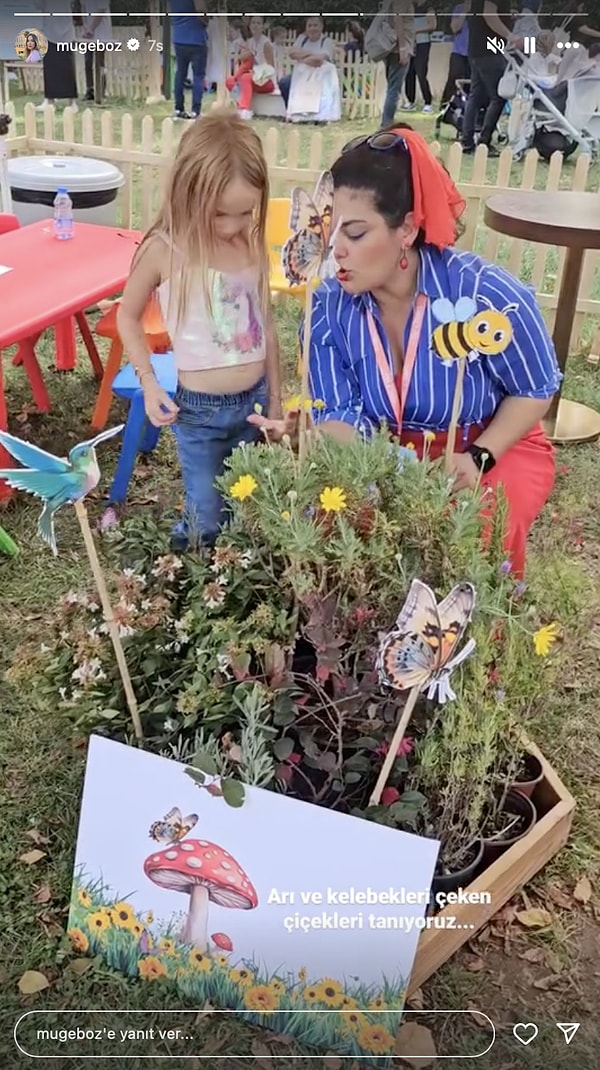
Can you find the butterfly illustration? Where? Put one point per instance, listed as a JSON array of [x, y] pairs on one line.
[[173, 826], [307, 254], [421, 649]]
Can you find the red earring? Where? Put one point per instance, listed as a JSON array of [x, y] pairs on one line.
[[403, 261]]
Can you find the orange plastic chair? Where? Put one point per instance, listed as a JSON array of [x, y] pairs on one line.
[[278, 232], [158, 341]]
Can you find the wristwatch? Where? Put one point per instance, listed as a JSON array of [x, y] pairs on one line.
[[484, 460]]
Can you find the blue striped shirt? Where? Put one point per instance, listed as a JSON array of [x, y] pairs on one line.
[[343, 370]]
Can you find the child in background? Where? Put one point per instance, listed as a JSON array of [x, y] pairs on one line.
[[256, 67], [206, 256], [278, 37]]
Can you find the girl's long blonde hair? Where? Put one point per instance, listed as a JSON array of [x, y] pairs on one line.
[[212, 152]]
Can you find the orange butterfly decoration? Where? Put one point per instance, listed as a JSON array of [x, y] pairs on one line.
[[421, 651], [307, 254]]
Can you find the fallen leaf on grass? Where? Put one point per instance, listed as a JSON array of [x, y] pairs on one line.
[[36, 836], [582, 891], [33, 981], [560, 898], [473, 963], [80, 966], [49, 923], [43, 894], [546, 983], [535, 918], [415, 1045], [31, 857], [479, 1017], [536, 955]]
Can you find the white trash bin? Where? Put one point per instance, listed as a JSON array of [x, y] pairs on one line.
[[92, 184]]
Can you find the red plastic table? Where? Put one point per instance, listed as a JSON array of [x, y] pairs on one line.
[[49, 283]]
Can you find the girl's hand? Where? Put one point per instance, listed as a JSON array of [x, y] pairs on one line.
[[465, 471], [161, 410], [273, 429]]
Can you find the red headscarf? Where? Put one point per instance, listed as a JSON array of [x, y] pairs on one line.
[[437, 202]]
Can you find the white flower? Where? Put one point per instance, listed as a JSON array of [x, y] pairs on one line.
[[224, 664], [246, 559], [169, 725], [93, 632], [63, 694], [93, 607], [64, 635], [125, 630], [129, 573], [44, 648], [146, 605], [88, 671]]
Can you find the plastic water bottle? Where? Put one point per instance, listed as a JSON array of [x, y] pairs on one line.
[[63, 214]]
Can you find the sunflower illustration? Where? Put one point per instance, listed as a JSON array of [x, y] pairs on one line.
[[330, 992], [241, 977], [221, 960], [352, 1021], [100, 920], [375, 1039], [311, 994], [377, 1004], [78, 939], [149, 918], [123, 917], [302, 974], [261, 998], [200, 961], [151, 969], [166, 946], [277, 986], [84, 898], [349, 1004], [137, 929]]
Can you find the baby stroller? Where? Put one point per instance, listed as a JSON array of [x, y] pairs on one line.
[[554, 118], [453, 113]]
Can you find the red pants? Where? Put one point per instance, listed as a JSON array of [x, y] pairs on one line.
[[526, 472], [243, 78]]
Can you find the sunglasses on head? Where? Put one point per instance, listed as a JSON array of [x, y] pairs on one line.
[[381, 142]]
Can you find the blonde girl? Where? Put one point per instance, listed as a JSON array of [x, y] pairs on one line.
[[206, 257]]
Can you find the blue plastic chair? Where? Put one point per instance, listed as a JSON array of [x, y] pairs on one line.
[[139, 436]]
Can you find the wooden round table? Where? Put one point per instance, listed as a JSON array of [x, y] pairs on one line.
[[570, 220]]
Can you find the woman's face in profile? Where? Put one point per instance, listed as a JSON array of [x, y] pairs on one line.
[[366, 250]]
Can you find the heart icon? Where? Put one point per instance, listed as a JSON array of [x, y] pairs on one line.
[[525, 1032]]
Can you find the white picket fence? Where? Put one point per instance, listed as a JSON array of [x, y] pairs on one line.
[[144, 151]]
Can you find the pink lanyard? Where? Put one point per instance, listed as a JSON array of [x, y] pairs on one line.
[[398, 401]]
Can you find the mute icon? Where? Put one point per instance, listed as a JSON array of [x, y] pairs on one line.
[[568, 1029]]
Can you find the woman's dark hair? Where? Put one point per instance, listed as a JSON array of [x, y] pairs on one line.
[[385, 175], [356, 30], [33, 36]]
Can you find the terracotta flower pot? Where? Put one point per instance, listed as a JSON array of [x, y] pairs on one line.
[[531, 775], [449, 882], [516, 805]]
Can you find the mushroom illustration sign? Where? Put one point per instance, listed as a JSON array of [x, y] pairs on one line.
[[300, 919]]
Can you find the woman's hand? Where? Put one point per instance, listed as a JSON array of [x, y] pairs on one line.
[[276, 429], [161, 410], [465, 471]]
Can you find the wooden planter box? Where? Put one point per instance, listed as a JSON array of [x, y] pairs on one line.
[[555, 806]]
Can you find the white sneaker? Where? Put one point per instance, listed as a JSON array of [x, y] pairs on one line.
[[244, 113], [44, 105], [408, 107], [427, 107]]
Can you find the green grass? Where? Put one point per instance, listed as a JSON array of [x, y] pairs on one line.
[[42, 765]]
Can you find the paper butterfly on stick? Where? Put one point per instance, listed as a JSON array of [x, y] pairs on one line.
[[308, 253], [56, 480], [421, 651]]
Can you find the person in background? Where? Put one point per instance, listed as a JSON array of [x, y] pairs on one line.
[[579, 27], [190, 41], [60, 80], [354, 46], [459, 69], [97, 27], [32, 49], [425, 23], [398, 61], [278, 38], [312, 92], [487, 69], [210, 268], [256, 67]]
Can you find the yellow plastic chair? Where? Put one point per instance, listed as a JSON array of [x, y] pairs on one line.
[[278, 232]]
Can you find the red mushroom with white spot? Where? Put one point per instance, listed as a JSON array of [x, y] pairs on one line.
[[207, 874], [222, 941]]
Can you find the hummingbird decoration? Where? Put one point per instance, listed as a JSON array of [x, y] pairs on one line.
[[56, 480]]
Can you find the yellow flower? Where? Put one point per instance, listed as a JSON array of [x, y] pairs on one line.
[[295, 402], [166, 945], [286, 515], [377, 1004], [261, 998], [318, 403], [302, 974], [349, 1004], [330, 992], [241, 977], [277, 986], [149, 918], [200, 961], [376, 1040], [151, 968], [410, 446], [311, 994], [123, 917], [544, 638], [100, 920], [137, 929], [352, 1021], [243, 488], [84, 898], [78, 939], [333, 499], [429, 436]]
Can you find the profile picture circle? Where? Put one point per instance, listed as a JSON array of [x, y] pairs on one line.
[[31, 46]]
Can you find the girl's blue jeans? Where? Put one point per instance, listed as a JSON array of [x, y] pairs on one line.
[[208, 429]]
